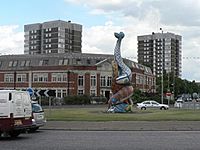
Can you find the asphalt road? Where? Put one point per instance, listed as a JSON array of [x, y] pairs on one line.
[[103, 140]]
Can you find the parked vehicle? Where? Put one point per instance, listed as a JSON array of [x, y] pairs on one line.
[[151, 104], [15, 112], [38, 119], [178, 103]]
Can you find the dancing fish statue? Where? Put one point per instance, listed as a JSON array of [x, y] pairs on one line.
[[121, 84]]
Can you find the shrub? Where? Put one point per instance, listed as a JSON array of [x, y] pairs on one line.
[[77, 100]]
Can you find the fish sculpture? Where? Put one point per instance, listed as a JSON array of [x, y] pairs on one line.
[[121, 88]]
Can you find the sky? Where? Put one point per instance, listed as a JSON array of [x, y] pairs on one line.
[[101, 18]]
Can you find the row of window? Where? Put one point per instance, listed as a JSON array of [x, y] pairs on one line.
[[63, 93], [45, 62], [23, 63], [58, 77], [55, 30], [140, 79]]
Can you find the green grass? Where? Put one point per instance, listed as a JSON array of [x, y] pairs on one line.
[[99, 114]]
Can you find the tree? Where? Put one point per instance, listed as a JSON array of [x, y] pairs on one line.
[[176, 85]]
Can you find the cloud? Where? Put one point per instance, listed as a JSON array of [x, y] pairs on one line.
[[139, 17], [182, 12], [11, 41], [133, 17]]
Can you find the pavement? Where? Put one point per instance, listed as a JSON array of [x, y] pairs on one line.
[[123, 126]]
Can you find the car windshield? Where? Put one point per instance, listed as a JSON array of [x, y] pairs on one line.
[[36, 108]]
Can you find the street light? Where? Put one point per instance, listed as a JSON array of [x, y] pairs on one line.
[[15, 75], [68, 85], [162, 67]]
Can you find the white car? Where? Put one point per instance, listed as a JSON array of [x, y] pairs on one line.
[[151, 104], [38, 116]]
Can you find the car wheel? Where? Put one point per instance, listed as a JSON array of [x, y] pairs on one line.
[[143, 108], [33, 129], [14, 134], [162, 108]]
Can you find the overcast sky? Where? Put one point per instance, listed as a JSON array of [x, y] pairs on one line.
[[101, 18]]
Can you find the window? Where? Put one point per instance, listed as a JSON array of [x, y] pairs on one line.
[[9, 78], [103, 81], [80, 80], [58, 93], [21, 77], [64, 94], [154, 103], [80, 92], [10, 63], [92, 92], [78, 61], [13, 63], [60, 62], [40, 77], [43, 62], [63, 62], [109, 81], [147, 103], [93, 80], [88, 61], [27, 63], [22, 63], [36, 108], [59, 77]]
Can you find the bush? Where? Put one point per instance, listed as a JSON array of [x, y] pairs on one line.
[[98, 100], [77, 100]]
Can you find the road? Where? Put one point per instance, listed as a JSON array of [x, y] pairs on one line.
[[104, 140]]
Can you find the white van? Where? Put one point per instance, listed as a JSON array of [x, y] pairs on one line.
[[15, 112]]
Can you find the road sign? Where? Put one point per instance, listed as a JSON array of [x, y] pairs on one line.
[[168, 94], [37, 93], [46, 93], [31, 91], [52, 93]]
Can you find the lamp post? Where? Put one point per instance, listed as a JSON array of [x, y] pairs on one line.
[[162, 56], [68, 85], [15, 75]]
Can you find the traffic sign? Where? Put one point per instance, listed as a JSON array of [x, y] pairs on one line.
[[46, 93], [52, 93], [37, 93], [168, 94], [30, 91]]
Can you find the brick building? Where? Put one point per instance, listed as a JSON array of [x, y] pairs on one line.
[[68, 73]]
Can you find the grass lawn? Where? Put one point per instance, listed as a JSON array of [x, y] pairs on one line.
[[98, 113]]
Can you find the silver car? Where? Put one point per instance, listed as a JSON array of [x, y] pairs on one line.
[[38, 116], [151, 104]]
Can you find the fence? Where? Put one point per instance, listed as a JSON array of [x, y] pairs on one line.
[[189, 105]]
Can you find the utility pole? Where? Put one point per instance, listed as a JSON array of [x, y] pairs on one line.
[[68, 84], [15, 76], [162, 57]]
